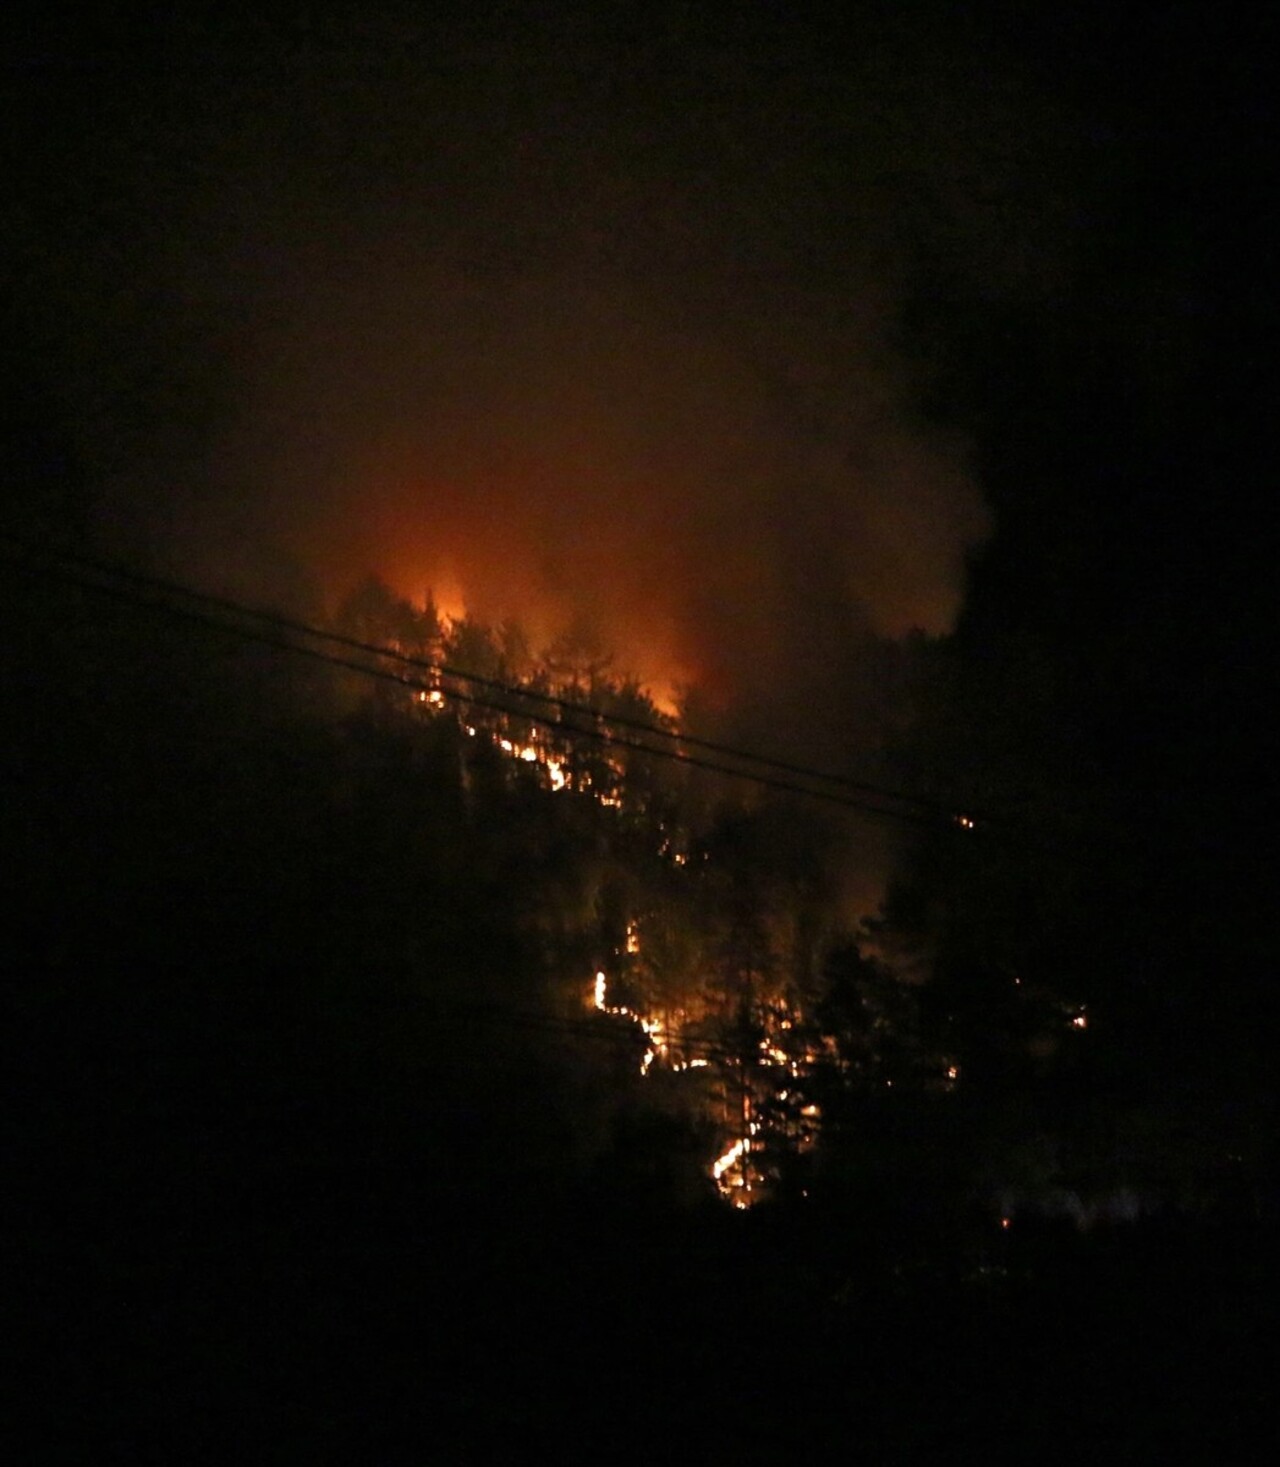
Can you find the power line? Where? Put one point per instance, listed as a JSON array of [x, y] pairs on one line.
[[515, 690], [594, 735], [689, 1051], [437, 670]]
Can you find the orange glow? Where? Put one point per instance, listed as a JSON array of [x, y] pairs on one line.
[[446, 595], [480, 551], [731, 500]]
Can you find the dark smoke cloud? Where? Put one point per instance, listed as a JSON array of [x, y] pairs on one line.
[[562, 447]]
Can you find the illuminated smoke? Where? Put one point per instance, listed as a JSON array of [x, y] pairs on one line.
[[598, 338], [574, 458]]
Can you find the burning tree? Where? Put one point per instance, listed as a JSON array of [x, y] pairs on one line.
[[707, 916]]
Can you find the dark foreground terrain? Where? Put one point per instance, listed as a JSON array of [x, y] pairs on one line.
[[183, 1302]]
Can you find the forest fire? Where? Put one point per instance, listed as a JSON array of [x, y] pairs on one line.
[[712, 940], [500, 596], [635, 801], [736, 1175]]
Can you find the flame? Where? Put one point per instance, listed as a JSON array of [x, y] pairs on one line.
[[729, 1158], [732, 1171], [652, 1029], [647, 648]]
